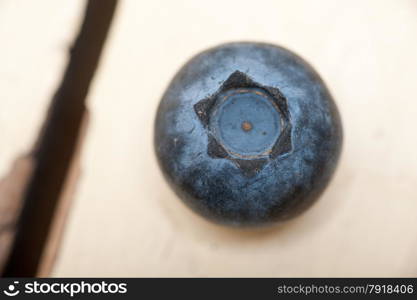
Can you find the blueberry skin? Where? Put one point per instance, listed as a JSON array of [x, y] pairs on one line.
[[247, 180]]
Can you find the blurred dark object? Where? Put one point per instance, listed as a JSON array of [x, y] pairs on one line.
[[56, 145]]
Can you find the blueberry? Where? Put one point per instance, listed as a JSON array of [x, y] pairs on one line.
[[247, 134]]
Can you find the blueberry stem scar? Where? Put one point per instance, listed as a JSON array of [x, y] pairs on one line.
[[246, 126]]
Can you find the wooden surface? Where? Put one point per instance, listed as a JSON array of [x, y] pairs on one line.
[[35, 38], [125, 221]]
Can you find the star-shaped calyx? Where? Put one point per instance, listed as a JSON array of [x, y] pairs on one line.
[[246, 123]]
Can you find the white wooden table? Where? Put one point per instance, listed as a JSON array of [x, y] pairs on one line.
[[125, 221]]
